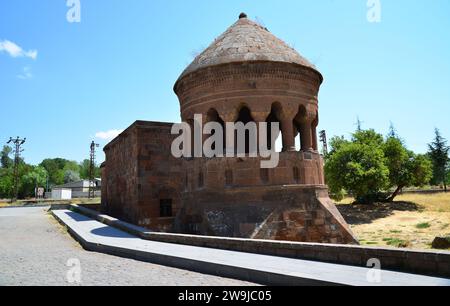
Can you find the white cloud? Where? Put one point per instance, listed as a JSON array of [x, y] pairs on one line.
[[26, 74], [108, 135], [16, 51]]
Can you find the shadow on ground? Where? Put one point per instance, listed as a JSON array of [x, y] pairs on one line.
[[110, 232], [356, 214]]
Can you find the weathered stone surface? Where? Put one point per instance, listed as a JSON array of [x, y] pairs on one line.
[[246, 41], [138, 173]]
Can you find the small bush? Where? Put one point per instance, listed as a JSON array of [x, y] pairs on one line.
[[338, 196]]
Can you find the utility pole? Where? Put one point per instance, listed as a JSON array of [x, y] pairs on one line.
[[323, 139], [359, 124], [17, 150], [92, 170]]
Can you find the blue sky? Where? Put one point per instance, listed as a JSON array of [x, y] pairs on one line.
[[70, 81]]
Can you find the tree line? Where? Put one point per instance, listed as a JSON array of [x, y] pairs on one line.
[[49, 173], [373, 168]]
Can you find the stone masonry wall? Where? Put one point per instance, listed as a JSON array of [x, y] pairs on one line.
[[138, 173], [290, 213], [159, 177], [119, 176]]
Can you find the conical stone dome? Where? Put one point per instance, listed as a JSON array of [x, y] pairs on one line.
[[246, 41]]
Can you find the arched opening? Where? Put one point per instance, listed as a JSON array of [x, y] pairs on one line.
[[274, 117], [298, 141], [244, 117], [213, 116]]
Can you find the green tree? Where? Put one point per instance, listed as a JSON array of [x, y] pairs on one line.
[[85, 167], [56, 169], [6, 183], [368, 137], [7, 179], [71, 176], [6, 161], [422, 169], [448, 176], [53, 166], [71, 166], [336, 143], [358, 166], [370, 167], [438, 153], [35, 176], [405, 168]]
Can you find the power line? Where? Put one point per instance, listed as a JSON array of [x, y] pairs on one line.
[[92, 170], [17, 143]]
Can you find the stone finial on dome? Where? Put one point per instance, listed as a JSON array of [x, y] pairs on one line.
[[242, 15]]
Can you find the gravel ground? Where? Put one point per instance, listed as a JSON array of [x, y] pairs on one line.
[[35, 250]]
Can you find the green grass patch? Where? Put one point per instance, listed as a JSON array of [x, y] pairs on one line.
[[370, 243], [423, 225], [398, 243]]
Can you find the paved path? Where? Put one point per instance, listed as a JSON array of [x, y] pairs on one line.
[[34, 250], [237, 264]]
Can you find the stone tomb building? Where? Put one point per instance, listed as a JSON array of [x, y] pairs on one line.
[[246, 74]]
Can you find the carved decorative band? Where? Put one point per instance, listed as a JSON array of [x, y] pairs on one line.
[[213, 76]]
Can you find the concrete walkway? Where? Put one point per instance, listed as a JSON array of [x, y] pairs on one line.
[[35, 251], [271, 270]]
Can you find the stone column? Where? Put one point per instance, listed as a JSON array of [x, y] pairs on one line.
[[287, 130], [306, 136], [314, 138]]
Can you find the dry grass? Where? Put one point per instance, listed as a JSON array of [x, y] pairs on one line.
[[51, 202], [439, 202], [413, 221]]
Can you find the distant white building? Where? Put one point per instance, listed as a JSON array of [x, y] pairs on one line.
[[80, 189], [61, 194], [82, 185]]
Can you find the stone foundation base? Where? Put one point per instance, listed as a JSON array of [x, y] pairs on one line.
[[291, 213]]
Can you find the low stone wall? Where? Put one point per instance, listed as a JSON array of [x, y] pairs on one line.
[[95, 207], [432, 263]]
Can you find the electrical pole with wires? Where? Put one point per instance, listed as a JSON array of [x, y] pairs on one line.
[[323, 139], [92, 170], [17, 150]]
